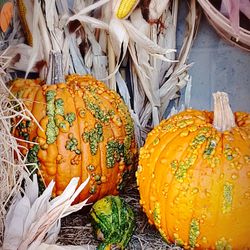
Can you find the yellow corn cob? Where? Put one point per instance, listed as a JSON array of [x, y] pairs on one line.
[[125, 8], [22, 13]]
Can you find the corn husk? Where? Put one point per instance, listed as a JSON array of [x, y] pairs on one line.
[[157, 82], [38, 218]]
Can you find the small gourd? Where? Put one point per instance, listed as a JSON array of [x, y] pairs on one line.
[[194, 178], [113, 221]]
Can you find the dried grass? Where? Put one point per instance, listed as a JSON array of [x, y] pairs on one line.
[[76, 229], [12, 163]]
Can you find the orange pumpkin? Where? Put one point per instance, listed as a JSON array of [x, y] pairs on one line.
[[84, 129], [194, 178]]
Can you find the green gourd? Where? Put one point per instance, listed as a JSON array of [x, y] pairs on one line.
[[113, 222]]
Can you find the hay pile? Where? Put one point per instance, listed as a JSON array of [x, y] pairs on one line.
[[12, 164], [76, 228]]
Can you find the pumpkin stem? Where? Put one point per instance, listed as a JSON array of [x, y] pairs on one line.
[[223, 114], [55, 70]]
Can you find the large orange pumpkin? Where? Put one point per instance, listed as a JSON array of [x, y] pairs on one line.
[[194, 178], [85, 129]]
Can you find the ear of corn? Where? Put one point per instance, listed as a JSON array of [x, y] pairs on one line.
[[125, 8], [22, 14]]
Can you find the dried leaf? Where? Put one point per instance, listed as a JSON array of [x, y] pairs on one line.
[[156, 9], [36, 219], [16, 216], [44, 246]]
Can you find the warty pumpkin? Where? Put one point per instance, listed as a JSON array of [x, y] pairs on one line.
[[84, 129], [194, 178]]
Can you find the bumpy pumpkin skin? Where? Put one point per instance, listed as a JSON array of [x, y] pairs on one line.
[[194, 181], [87, 130]]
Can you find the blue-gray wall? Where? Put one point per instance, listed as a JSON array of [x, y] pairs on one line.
[[217, 67]]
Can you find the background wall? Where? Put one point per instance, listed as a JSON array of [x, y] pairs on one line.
[[218, 66]]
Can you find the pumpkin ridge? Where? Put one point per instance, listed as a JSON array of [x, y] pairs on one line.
[[217, 204], [144, 153], [115, 177], [149, 182], [62, 176], [78, 103], [200, 164], [206, 158], [19, 94], [100, 171], [114, 128], [103, 169], [193, 217], [101, 144], [35, 106], [167, 202], [166, 219], [34, 97], [102, 119], [52, 149], [77, 121]]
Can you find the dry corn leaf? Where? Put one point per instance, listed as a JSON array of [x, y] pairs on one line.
[[36, 216]]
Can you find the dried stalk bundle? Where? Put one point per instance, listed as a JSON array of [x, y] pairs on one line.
[[95, 41], [224, 27], [157, 82]]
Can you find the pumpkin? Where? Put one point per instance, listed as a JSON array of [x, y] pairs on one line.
[[84, 129], [194, 178], [113, 221]]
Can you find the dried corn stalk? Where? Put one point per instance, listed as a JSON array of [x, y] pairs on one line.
[[94, 40], [157, 82], [39, 218]]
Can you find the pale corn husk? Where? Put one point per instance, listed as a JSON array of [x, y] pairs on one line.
[[224, 28], [38, 218], [157, 82]]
